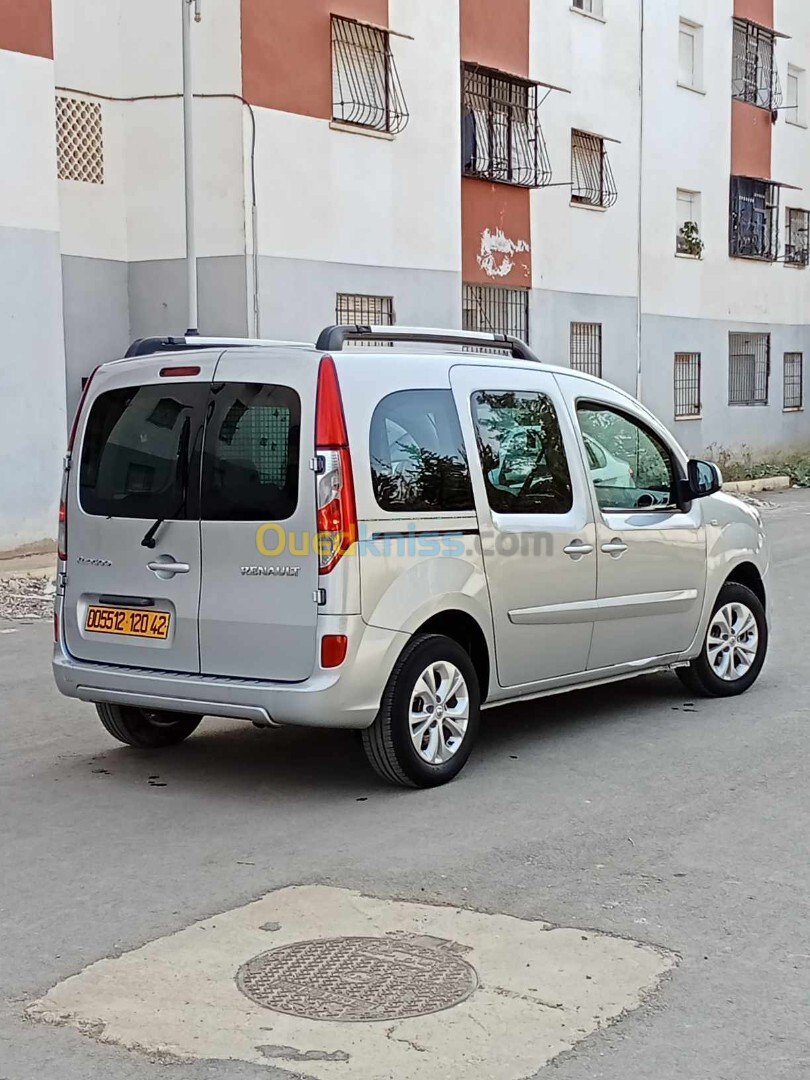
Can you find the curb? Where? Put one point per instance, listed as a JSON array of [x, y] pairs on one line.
[[767, 483]]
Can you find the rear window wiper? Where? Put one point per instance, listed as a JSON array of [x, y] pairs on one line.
[[183, 448]]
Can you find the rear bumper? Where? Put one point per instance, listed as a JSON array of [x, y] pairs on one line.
[[345, 697]]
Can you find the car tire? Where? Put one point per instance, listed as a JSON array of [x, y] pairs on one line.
[[734, 648], [429, 715], [146, 729]]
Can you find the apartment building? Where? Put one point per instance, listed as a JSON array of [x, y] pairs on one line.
[[625, 183]]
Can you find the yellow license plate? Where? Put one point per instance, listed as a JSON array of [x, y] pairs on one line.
[[128, 622]]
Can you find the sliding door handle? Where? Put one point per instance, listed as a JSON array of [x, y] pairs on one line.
[[614, 548]]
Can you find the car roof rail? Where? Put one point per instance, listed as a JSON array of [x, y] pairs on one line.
[[333, 338], [148, 346]]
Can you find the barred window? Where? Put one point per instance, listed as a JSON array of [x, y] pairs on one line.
[[500, 129], [797, 248], [586, 348], [495, 309], [754, 219], [80, 140], [754, 77], [749, 369], [356, 309], [793, 381], [366, 90], [687, 385], [592, 182]]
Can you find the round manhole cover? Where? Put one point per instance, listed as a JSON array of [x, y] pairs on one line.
[[357, 978]]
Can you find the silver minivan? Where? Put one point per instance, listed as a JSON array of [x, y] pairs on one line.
[[388, 531]]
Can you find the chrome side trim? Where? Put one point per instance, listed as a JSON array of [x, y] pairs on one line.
[[612, 607]]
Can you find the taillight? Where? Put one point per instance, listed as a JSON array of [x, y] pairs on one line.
[[61, 536], [337, 515]]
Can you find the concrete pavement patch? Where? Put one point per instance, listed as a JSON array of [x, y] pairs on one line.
[[532, 990]]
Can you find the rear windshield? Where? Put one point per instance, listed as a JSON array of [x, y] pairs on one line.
[[138, 451], [149, 453]]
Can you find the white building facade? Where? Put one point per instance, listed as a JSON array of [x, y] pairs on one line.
[[623, 183]]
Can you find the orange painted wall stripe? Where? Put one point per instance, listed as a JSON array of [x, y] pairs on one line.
[[287, 48], [26, 27], [758, 11], [503, 213], [751, 140], [495, 33]]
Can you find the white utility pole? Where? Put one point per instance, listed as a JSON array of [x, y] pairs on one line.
[[188, 150]]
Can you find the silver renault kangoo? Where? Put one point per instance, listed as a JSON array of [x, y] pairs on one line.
[[388, 531]]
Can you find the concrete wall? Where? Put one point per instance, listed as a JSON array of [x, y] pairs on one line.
[[32, 374]]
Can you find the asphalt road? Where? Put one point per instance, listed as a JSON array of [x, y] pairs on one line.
[[621, 809]]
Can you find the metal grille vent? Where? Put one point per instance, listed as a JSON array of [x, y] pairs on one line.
[[687, 385], [592, 181], [80, 140], [586, 348], [754, 76], [495, 309], [365, 84], [500, 129], [749, 368], [793, 388]]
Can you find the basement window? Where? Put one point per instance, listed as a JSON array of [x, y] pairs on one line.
[[356, 309], [749, 369], [496, 309], [366, 91]]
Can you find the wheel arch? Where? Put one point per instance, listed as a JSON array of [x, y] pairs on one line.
[[464, 629], [747, 574]]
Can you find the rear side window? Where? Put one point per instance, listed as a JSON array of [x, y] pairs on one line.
[[251, 453], [418, 461], [522, 454], [139, 449]]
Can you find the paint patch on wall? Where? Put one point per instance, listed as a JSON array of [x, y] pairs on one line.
[[498, 251]]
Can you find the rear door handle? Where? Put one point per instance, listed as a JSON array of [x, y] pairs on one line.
[[615, 547], [169, 567], [577, 549]]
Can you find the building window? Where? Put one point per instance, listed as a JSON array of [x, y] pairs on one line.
[[753, 219], [366, 90], [589, 7], [586, 348], [356, 309], [749, 369], [500, 129], [754, 77], [687, 385], [690, 55], [792, 381], [592, 182], [687, 236], [80, 140], [794, 103], [495, 309], [797, 248]]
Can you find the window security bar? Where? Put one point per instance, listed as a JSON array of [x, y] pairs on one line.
[[366, 89], [502, 139]]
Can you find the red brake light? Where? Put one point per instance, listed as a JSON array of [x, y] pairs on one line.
[[74, 427], [178, 372], [333, 650], [330, 425], [337, 514]]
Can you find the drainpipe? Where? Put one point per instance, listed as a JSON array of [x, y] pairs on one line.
[[188, 153], [639, 281]]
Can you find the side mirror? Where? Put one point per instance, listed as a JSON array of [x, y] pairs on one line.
[[705, 478]]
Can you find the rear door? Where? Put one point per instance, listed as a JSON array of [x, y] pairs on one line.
[[136, 464], [258, 610]]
